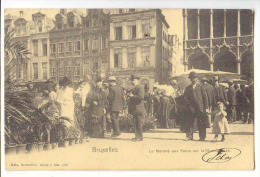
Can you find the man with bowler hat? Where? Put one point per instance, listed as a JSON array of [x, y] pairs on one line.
[[116, 104], [220, 93], [210, 93], [197, 105], [136, 106]]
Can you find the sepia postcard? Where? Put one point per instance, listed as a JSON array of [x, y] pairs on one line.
[[128, 89]]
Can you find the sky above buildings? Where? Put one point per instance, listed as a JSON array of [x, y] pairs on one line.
[[173, 17]]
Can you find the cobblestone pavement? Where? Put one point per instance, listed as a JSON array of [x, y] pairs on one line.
[[161, 149]]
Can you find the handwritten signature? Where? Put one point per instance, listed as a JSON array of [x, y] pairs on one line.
[[221, 155]]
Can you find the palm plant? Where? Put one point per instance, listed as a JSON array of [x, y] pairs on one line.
[[16, 53], [17, 103]]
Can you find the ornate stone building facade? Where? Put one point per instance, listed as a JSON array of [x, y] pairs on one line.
[[216, 39], [140, 43], [78, 44]]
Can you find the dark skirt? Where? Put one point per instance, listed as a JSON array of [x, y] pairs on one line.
[[164, 112]]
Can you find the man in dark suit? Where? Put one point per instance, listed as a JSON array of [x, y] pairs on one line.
[[231, 94], [210, 93], [116, 104], [220, 93], [197, 105], [136, 107]]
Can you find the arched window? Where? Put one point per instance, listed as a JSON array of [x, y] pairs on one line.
[[40, 26]]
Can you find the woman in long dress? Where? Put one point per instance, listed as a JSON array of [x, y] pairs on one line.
[[65, 98], [97, 109]]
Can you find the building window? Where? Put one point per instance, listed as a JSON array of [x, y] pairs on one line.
[[18, 31], [169, 66], [61, 68], [132, 32], [145, 56], [35, 47], [44, 47], [231, 25], [117, 58], [218, 23], [77, 67], [61, 47], [131, 57], [35, 70], [146, 28], [95, 66], [59, 25], [53, 48], [95, 44], [53, 68], [71, 23], [77, 45], [44, 70], [246, 22], [40, 26], [94, 22], [118, 31], [120, 11], [104, 43], [131, 10], [68, 67], [69, 47], [86, 44], [87, 24]]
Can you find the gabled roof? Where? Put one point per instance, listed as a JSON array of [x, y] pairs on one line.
[[20, 20], [10, 17]]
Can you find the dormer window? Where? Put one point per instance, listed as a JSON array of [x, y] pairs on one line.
[[59, 25], [71, 24], [40, 26], [87, 24]]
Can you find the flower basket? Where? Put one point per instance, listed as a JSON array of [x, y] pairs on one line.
[[66, 143], [20, 148], [76, 141], [10, 149], [40, 146], [54, 145], [47, 147], [32, 147], [71, 142]]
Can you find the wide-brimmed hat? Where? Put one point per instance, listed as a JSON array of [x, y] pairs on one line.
[[135, 76], [204, 79], [111, 78], [193, 74], [65, 82]]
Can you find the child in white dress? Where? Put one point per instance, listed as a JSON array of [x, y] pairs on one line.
[[220, 125]]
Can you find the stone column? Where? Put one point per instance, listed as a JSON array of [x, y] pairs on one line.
[[152, 56], [111, 57], [185, 24], [225, 23], [211, 63], [124, 30], [185, 38], [138, 56], [238, 67], [112, 31], [124, 57], [238, 42], [211, 37], [139, 33], [198, 19]]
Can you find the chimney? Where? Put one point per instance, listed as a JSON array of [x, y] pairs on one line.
[[21, 13], [63, 11]]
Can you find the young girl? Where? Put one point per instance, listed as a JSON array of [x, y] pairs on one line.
[[220, 125]]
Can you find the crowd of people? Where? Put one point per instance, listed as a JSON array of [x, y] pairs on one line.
[[95, 106]]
